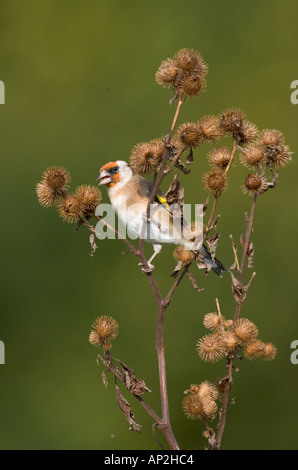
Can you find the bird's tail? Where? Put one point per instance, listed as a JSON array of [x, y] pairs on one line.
[[217, 265]]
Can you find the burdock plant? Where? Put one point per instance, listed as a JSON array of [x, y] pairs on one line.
[[229, 339]]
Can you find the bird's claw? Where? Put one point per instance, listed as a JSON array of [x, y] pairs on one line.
[[147, 270]]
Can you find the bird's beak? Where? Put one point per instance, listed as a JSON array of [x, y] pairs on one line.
[[104, 177]]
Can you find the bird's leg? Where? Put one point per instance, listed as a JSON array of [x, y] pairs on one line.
[[157, 249]]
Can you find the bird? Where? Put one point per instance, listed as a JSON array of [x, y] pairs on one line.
[[129, 195]]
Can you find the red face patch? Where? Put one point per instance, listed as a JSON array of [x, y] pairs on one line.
[[108, 166]]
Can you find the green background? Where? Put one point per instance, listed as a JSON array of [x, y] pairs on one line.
[[80, 91]]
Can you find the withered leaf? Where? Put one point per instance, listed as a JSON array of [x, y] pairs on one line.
[[242, 241], [250, 250], [236, 263], [194, 282], [175, 193], [212, 243], [250, 254], [126, 410], [177, 269], [93, 244], [104, 379], [237, 288], [132, 383], [189, 158], [214, 223], [205, 205], [182, 167], [201, 264], [233, 266]]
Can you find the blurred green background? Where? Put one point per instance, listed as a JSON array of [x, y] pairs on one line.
[[80, 91]]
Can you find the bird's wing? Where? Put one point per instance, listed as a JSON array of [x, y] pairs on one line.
[[145, 187]]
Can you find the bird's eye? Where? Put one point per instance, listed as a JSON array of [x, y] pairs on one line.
[[114, 170]]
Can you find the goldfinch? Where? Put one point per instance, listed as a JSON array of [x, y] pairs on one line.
[[129, 195]]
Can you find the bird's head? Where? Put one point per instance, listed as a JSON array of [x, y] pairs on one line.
[[113, 173]]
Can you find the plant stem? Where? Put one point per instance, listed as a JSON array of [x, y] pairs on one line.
[[166, 425], [230, 359]]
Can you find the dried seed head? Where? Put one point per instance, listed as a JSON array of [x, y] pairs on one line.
[[254, 184], [252, 156], [46, 196], [210, 129], [56, 178], [254, 349], [191, 85], [209, 408], [90, 197], [193, 71], [185, 73], [246, 331], [207, 390], [167, 73], [104, 330], [71, 208], [210, 348], [230, 340], [190, 60], [94, 339], [182, 254], [52, 186], [220, 158], [146, 157], [189, 134], [212, 321], [231, 121], [215, 182], [247, 132], [271, 137], [228, 323], [273, 147], [193, 407], [269, 352], [200, 402]]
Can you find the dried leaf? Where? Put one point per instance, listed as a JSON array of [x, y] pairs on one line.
[[175, 193], [250, 250], [201, 264], [212, 243], [236, 263], [242, 241], [237, 288], [177, 269], [194, 282], [189, 158], [174, 98], [132, 383], [214, 223], [205, 205], [250, 254], [182, 167], [104, 379], [126, 410], [93, 244]]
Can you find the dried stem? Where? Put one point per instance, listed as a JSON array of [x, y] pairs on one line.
[[162, 304], [230, 359]]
